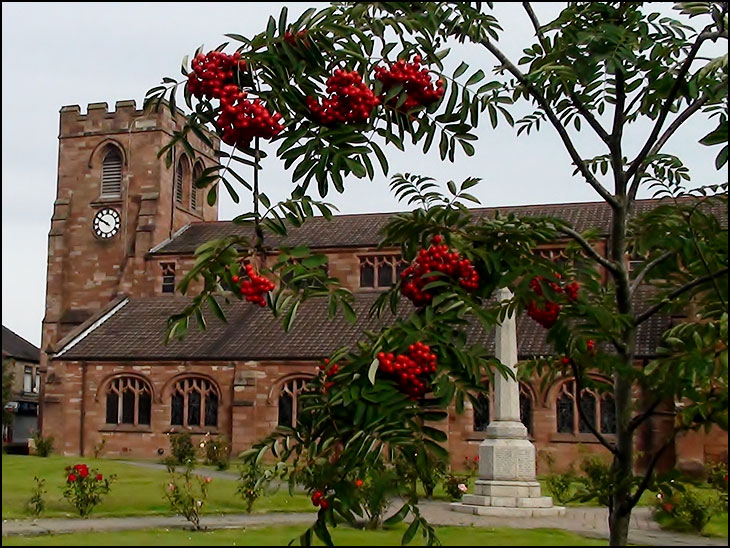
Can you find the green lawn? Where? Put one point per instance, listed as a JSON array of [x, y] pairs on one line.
[[280, 536], [137, 490]]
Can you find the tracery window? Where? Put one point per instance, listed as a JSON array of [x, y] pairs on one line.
[[289, 401], [128, 401], [483, 409], [194, 402], [599, 409], [380, 270], [168, 277]]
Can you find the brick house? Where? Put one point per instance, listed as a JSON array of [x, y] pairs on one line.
[[124, 231], [24, 359]]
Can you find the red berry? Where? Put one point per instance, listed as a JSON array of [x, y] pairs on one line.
[[358, 482]]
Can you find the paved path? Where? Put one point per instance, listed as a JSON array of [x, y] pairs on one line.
[[587, 521]]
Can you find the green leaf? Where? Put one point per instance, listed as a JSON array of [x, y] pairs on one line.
[[476, 77], [290, 315], [217, 310], [372, 370], [410, 532], [399, 516], [461, 69]]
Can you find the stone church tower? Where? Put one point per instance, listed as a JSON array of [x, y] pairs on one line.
[[115, 201]]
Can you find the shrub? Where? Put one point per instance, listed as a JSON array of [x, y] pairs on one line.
[[687, 510], [182, 448], [218, 452], [717, 478], [36, 504], [471, 466], [43, 444], [85, 487], [253, 482], [597, 481], [170, 463], [424, 466], [378, 489], [187, 494], [456, 486]]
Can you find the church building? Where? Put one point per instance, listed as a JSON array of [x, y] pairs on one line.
[[123, 234]]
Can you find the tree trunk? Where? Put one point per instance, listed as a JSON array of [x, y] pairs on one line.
[[623, 469]]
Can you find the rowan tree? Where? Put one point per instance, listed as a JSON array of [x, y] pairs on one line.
[[336, 88]]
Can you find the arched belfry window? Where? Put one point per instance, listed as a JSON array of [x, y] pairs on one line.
[[128, 401], [197, 172], [182, 172], [194, 402], [111, 173]]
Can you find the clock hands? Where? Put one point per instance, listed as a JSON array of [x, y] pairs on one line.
[[101, 220]]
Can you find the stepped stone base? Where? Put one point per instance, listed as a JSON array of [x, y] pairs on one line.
[[501, 498], [508, 512]]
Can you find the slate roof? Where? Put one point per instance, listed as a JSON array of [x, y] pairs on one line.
[[15, 346], [136, 330], [363, 230]]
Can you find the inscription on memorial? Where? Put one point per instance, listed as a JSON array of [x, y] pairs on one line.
[[504, 463], [525, 464]]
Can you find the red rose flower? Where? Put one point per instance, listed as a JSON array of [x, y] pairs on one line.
[[99, 477], [71, 478]]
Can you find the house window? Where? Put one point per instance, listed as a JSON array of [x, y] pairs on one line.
[[111, 173], [483, 411], [194, 402], [28, 380], [128, 401], [289, 401], [168, 277], [599, 410], [181, 173], [380, 270]]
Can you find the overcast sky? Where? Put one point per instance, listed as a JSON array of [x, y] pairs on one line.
[[56, 54]]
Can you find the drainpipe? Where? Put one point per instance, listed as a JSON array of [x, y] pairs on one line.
[[82, 418]]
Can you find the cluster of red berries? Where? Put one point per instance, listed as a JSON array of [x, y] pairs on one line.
[[350, 100], [590, 345], [329, 372], [319, 500], [212, 72], [291, 38], [410, 370], [241, 120], [437, 258], [254, 287], [547, 314], [416, 82]]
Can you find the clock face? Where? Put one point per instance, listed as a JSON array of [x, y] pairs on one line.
[[106, 223]]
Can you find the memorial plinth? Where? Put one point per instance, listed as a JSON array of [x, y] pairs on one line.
[[507, 485]]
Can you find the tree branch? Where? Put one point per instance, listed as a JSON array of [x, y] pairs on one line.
[[577, 103], [577, 160], [649, 312], [637, 282], [578, 389], [610, 266], [649, 472], [666, 108], [614, 143], [676, 124], [636, 421]]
